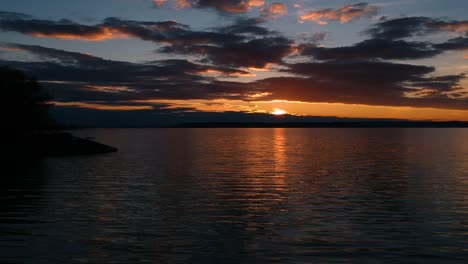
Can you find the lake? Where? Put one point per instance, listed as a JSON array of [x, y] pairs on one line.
[[244, 196]]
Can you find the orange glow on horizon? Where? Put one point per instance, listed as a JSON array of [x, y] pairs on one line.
[[343, 110], [277, 111], [282, 107]]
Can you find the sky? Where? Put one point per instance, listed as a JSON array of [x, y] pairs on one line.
[[157, 62]]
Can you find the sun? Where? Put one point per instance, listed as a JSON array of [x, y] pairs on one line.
[[277, 111]]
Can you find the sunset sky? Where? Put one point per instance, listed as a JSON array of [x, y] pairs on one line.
[[150, 62]]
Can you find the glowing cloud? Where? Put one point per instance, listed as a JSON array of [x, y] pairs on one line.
[[275, 10], [102, 34], [458, 26], [110, 89], [277, 111], [181, 4], [344, 14], [159, 3], [98, 106]]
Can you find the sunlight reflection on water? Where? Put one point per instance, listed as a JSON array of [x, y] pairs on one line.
[[245, 196]]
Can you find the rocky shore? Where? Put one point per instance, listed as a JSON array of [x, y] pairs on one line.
[[55, 144]]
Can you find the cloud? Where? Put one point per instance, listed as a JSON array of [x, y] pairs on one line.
[[243, 43], [63, 29], [455, 26], [159, 3], [405, 27], [375, 49], [387, 42], [222, 6], [356, 74], [275, 10], [76, 77], [181, 4], [104, 106], [344, 14], [365, 82], [244, 26], [459, 43], [169, 32], [257, 53]]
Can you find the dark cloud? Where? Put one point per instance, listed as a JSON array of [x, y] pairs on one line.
[[364, 82], [249, 26], [13, 15], [387, 41], [70, 74], [242, 44], [168, 32], [256, 53], [343, 14], [455, 26], [358, 74], [226, 6], [76, 77], [375, 49], [405, 27], [64, 28], [401, 28], [459, 43]]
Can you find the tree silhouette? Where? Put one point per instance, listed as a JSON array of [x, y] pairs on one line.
[[25, 105]]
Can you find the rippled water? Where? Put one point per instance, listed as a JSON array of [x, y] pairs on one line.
[[245, 196]]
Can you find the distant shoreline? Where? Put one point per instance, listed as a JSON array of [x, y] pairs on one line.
[[391, 124], [365, 124]]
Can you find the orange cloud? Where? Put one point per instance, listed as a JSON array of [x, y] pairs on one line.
[[275, 10], [243, 6], [465, 56], [461, 26], [255, 3], [180, 4], [104, 33], [97, 106], [264, 69], [204, 105], [219, 72], [110, 89], [344, 14], [159, 3]]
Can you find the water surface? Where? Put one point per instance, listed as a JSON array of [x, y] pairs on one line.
[[244, 196]]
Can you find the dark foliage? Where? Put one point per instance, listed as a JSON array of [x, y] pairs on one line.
[[24, 105]]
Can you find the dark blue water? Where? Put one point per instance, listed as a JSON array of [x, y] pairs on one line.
[[244, 196]]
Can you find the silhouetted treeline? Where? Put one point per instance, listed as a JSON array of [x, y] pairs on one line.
[[25, 105], [28, 131]]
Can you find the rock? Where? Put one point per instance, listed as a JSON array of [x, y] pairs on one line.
[[65, 144], [54, 144]]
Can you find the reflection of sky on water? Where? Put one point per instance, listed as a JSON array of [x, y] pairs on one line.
[[247, 196]]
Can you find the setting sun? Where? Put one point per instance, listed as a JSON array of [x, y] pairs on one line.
[[277, 111]]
